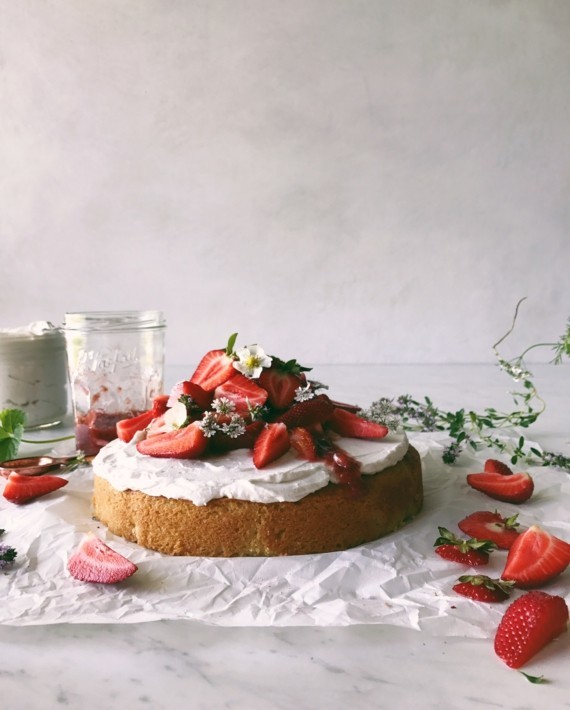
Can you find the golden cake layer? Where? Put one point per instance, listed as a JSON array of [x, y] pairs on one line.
[[330, 519]]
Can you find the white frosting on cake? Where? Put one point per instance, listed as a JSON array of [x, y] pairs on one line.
[[233, 475]]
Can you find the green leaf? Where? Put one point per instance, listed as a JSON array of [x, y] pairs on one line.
[[231, 344], [12, 423], [536, 679]]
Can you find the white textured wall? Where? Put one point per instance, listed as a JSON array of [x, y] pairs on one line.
[[341, 181]]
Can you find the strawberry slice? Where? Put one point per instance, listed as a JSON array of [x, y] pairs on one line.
[[20, 488], [160, 405], [494, 466], [481, 588], [536, 557], [127, 428], [213, 370], [94, 561], [312, 411], [515, 488], [528, 625], [486, 525], [243, 392], [303, 443], [199, 396], [281, 382], [186, 443], [349, 424], [472, 552], [272, 443]]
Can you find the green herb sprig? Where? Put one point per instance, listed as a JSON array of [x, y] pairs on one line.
[[467, 428]]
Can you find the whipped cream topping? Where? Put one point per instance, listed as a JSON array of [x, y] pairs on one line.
[[233, 475]]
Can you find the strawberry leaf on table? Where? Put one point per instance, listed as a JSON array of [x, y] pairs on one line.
[[12, 423]]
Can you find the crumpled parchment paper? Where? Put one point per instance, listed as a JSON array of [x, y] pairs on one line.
[[398, 580]]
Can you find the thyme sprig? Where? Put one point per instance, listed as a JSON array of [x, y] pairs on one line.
[[467, 428]]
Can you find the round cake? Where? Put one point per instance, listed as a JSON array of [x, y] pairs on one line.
[[249, 458]]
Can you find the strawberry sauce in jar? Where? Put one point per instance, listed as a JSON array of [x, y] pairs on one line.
[[116, 369]]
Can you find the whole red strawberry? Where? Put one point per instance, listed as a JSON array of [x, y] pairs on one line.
[[535, 558], [485, 525], [481, 588], [529, 623], [472, 552]]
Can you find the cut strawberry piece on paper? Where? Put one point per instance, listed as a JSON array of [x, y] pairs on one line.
[[271, 444], [312, 411], [94, 561], [516, 488], [495, 466], [528, 625], [186, 443], [485, 525], [127, 428], [349, 424], [535, 558], [481, 588], [472, 552], [303, 443], [21, 488], [243, 392]]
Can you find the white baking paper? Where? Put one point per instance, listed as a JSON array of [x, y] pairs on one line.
[[398, 580]]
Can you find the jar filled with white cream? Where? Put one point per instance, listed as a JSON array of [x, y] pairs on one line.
[[33, 373]]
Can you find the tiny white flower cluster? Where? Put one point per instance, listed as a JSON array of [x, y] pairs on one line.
[[302, 394], [211, 426], [223, 405]]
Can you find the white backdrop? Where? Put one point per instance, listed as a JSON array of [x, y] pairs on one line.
[[339, 180]]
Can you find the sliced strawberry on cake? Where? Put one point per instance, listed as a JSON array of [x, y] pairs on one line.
[[316, 410], [281, 381], [243, 392], [21, 488], [215, 367], [199, 396], [127, 428], [303, 442], [535, 558], [186, 443], [271, 444], [347, 423], [94, 561]]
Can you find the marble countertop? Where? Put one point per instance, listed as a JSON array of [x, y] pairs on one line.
[[181, 664]]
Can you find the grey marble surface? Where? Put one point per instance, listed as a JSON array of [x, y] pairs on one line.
[[181, 664]]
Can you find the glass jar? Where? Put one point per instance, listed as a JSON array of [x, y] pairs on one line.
[[33, 375], [116, 369]]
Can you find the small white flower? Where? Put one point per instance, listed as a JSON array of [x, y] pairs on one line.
[[208, 424], [235, 427], [251, 361], [223, 405], [302, 394]]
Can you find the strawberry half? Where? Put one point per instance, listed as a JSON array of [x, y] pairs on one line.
[[535, 558], [186, 443], [485, 525], [94, 561], [199, 396], [495, 466], [243, 392], [530, 622], [20, 488], [272, 443], [215, 368], [127, 428], [281, 382], [481, 588], [303, 443], [472, 552], [312, 411], [349, 424], [515, 488]]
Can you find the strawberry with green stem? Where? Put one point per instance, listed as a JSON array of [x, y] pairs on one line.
[[481, 588], [472, 552]]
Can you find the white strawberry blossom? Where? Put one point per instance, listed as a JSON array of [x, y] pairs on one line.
[[251, 360]]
